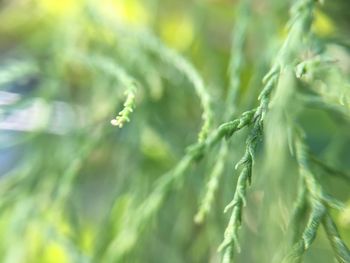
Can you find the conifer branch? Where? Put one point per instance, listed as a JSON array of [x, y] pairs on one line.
[[341, 251], [148, 41], [182, 65], [129, 105], [48, 192], [299, 211], [299, 26], [115, 71], [199, 149], [129, 84], [151, 205], [235, 70], [212, 184], [319, 203]]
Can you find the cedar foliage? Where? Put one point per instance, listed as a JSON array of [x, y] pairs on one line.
[[254, 125]]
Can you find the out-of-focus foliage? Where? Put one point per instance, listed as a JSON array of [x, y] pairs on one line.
[[180, 81]]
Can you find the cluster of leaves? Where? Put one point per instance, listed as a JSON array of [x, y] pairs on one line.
[[86, 63]]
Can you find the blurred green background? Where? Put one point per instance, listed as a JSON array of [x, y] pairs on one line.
[[71, 182]]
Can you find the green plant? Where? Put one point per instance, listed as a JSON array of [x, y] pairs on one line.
[[101, 60]]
